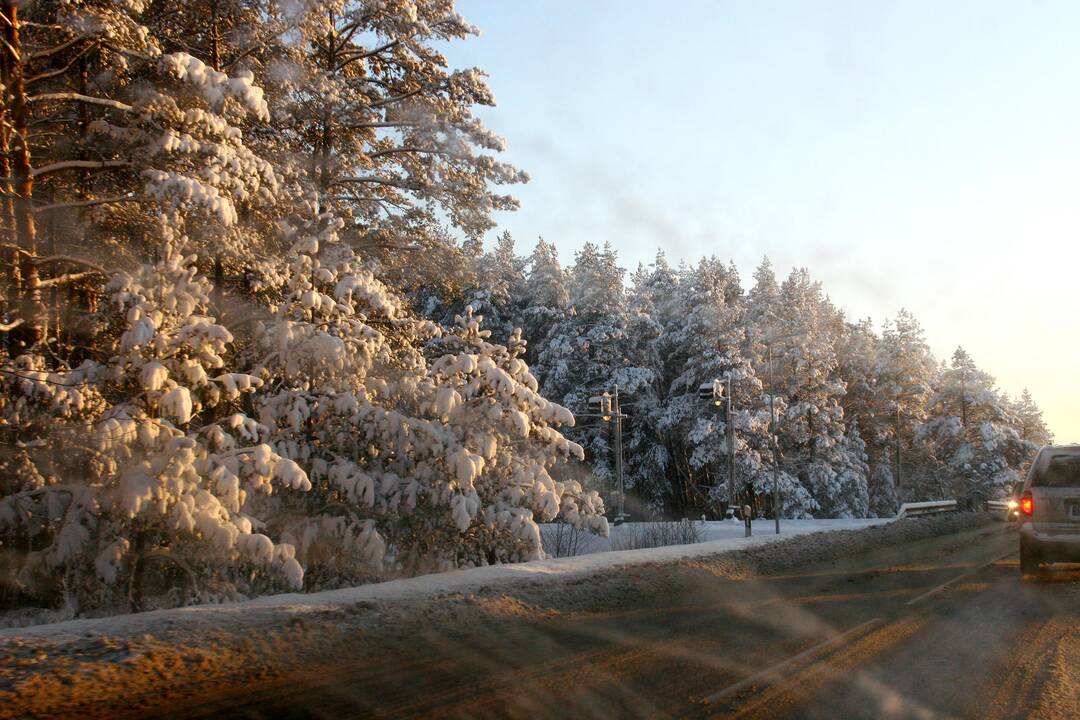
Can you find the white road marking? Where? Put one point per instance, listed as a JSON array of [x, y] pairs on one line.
[[961, 576], [775, 671]]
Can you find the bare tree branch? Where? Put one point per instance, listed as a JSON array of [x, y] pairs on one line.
[[58, 71], [357, 55], [396, 98], [16, 248], [403, 123], [76, 97], [68, 278], [243, 55], [79, 165], [427, 151], [377, 180], [41, 54], [130, 197], [70, 259]]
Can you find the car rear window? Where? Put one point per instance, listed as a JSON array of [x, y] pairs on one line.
[[1061, 471]]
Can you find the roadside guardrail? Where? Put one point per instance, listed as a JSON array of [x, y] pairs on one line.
[[925, 508], [997, 505]]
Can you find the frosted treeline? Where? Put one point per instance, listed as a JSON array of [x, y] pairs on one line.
[[866, 419]]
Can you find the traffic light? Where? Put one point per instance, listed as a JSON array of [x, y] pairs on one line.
[[602, 405], [712, 391]]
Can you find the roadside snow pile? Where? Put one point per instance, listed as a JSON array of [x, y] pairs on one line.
[[461, 581], [724, 538]]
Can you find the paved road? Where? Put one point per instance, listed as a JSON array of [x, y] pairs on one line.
[[877, 636]]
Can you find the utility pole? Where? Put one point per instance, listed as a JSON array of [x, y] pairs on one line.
[[607, 408], [730, 425], [963, 396], [621, 514], [899, 472], [776, 443]]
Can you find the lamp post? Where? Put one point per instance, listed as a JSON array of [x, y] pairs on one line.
[[620, 515], [899, 467], [729, 425], [963, 396]]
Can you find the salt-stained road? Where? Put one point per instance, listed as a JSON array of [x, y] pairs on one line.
[[938, 628], [916, 628]]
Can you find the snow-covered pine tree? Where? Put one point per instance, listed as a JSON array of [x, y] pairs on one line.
[[388, 132], [155, 131], [242, 38], [429, 464], [1031, 426], [497, 291], [143, 450], [764, 326], [702, 344], [1028, 421], [800, 324], [590, 351], [905, 370], [652, 305], [148, 454], [500, 289], [762, 314], [857, 354], [198, 437], [852, 476], [971, 435], [547, 296]]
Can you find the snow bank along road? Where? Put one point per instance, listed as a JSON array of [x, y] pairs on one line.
[[920, 618]]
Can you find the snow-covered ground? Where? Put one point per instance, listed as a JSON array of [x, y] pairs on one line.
[[158, 659], [720, 537], [711, 531]]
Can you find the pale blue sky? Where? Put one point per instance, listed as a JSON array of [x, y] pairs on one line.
[[910, 154]]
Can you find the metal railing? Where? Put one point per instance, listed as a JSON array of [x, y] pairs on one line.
[[925, 508]]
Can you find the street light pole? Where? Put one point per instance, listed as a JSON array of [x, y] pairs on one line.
[[620, 515], [730, 425], [963, 396], [775, 441], [899, 471]]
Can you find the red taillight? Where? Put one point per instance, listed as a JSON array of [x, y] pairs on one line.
[[1027, 504]]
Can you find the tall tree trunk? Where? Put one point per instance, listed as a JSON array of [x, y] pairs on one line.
[[9, 286], [7, 188], [326, 139], [21, 169], [215, 38]]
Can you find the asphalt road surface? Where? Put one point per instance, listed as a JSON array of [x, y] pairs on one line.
[[940, 628]]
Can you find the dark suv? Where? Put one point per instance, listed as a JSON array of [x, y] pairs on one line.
[[1050, 508]]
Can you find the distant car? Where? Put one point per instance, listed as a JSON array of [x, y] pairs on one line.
[[1050, 508], [1012, 510]]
